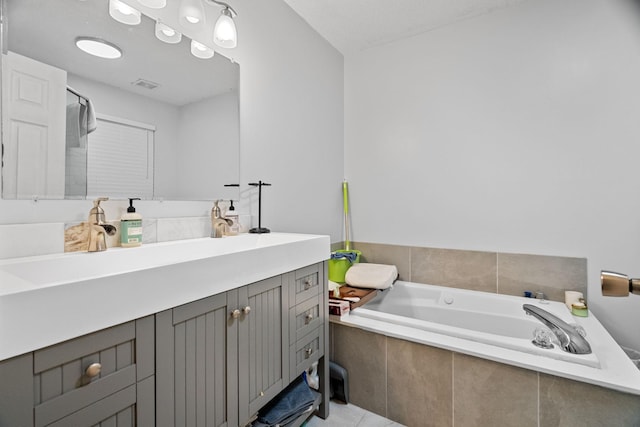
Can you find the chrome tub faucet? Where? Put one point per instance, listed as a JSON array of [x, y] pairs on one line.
[[570, 340]]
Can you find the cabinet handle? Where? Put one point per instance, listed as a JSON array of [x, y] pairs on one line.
[[246, 310], [308, 352], [93, 370], [308, 318], [307, 284], [235, 313], [261, 393]]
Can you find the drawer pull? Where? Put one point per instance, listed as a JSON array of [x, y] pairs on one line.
[[93, 370], [307, 284], [261, 393], [235, 313], [308, 318], [308, 352], [246, 310]]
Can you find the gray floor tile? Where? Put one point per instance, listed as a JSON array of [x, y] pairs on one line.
[[349, 415]]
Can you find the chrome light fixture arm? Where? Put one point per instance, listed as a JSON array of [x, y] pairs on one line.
[[223, 4]]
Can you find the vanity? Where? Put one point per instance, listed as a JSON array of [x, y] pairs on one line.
[[175, 333]]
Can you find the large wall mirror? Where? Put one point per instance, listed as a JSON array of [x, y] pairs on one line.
[[166, 122]]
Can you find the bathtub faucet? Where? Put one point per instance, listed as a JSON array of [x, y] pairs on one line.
[[570, 340]]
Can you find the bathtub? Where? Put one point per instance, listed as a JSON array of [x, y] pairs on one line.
[[494, 327]]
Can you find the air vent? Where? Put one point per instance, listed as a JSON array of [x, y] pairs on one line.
[[147, 84]]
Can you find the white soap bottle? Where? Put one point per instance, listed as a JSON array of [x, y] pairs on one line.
[[131, 227], [232, 215]]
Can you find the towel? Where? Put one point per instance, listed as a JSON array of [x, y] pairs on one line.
[[92, 123], [351, 256], [290, 404], [76, 125], [371, 276]]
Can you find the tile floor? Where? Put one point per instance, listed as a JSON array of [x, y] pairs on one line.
[[342, 415]]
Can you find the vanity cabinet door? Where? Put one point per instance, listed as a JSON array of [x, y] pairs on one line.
[[16, 391], [263, 335], [196, 364]]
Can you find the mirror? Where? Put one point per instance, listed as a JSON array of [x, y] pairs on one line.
[[170, 120]]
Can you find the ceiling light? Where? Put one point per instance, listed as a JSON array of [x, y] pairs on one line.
[[124, 13], [201, 51], [98, 47], [167, 34], [224, 33], [191, 12], [153, 4]]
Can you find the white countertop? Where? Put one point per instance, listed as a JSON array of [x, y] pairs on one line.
[[52, 298]]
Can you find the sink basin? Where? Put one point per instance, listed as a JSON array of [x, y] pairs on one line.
[[58, 297], [79, 266]]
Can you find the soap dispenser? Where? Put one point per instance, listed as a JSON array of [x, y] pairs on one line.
[[234, 225], [131, 226]]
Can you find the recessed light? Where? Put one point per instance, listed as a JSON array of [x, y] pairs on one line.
[[98, 47]]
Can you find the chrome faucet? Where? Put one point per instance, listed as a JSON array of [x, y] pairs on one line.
[[570, 340], [218, 223], [98, 228]]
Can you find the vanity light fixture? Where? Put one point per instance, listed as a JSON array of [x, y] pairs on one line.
[[191, 12], [153, 4], [167, 34], [124, 13], [98, 47], [225, 33], [201, 51]]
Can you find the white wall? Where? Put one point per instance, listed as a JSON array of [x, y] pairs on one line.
[[517, 131], [165, 117], [209, 159], [291, 113]]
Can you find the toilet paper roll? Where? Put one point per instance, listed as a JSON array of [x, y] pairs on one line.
[[572, 296]]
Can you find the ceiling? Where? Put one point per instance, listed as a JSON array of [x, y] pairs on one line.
[[46, 31], [352, 26]]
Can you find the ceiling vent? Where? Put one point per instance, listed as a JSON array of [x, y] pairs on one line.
[[147, 84]]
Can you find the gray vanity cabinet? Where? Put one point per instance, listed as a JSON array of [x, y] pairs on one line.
[[196, 360], [221, 358], [263, 358], [101, 379]]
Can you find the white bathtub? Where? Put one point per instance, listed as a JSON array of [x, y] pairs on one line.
[[494, 327]]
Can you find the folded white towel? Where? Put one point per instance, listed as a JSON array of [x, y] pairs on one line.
[[371, 276]]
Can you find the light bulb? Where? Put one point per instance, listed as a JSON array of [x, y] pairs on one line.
[[167, 34], [191, 12], [224, 33], [124, 13], [201, 51], [153, 4]]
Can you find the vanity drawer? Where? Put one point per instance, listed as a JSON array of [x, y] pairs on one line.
[[77, 373], [308, 283], [307, 350], [305, 317]]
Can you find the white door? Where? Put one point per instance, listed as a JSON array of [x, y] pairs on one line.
[[34, 121]]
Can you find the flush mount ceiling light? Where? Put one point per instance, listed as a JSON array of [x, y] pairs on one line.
[[191, 13], [201, 51], [98, 47], [153, 4], [167, 34], [225, 33], [124, 13]]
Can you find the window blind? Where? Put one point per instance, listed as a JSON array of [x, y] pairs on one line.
[[120, 160]]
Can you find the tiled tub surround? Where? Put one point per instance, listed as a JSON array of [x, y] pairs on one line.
[[419, 385], [497, 272]]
